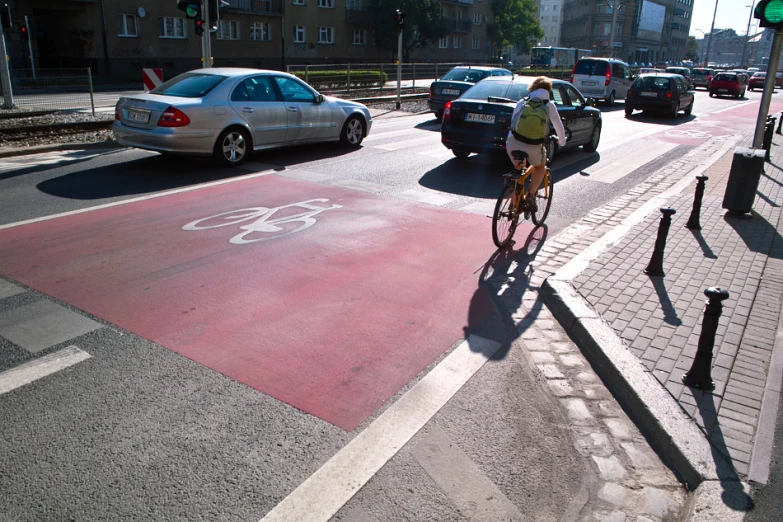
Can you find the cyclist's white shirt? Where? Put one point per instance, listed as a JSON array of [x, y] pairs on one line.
[[551, 110]]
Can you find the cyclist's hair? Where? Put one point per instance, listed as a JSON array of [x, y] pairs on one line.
[[542, 82]]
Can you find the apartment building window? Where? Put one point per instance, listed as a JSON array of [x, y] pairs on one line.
[[326, 3], [298, 2], [299, 34], [326, 35], [353, 5], [554, 19], [228, 30], [443, 43], [360, 36], [127, 25], [475, 44], [261, 31], [172, 27], [457, 42], [545, 18], [477, 19], [602, 29]]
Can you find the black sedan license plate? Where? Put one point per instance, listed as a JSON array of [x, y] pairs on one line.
[[480, 118], [450, 91]]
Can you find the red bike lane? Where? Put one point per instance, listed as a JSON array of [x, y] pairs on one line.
[[333, 319]]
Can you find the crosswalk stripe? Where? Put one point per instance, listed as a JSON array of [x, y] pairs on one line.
[[41, 367], [397, 145], [619, 169]]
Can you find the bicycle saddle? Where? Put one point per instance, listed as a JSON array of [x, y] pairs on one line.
[[520, 155]]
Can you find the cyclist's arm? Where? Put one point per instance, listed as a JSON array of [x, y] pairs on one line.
[[554, 117]]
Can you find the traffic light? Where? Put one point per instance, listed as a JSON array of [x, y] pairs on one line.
[[192, 8], [5, 16], [770, 14], [199, 26], [216, 8], [399, 19], [24, 33]]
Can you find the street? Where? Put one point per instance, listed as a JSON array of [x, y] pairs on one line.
[[244, 326]]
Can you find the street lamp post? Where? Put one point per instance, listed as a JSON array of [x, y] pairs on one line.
[[712, 31], [747, 35]]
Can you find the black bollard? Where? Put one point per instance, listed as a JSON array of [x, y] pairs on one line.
[[700, 374], [693, 221], [769, 130], [655, 268], [780, 123]]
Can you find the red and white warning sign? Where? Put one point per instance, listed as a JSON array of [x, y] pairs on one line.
[[151, 78]]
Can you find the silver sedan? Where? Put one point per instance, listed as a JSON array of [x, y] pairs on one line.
[[230, 112]]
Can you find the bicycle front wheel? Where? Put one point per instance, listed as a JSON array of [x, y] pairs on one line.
[[504, 219], [543, 199]]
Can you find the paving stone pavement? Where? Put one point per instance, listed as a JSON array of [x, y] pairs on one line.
[[634, 483]]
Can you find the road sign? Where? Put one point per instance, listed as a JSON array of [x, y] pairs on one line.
[[151, 78]]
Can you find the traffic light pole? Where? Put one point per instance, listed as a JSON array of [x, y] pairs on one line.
[[5, 75], [206, 38], [399, 66], [30, 45], [769, 86]]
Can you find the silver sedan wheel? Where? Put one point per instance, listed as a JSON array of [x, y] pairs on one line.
[[353, 132], [234, 147]]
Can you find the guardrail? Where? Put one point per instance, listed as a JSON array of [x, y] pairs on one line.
[[52, 89]]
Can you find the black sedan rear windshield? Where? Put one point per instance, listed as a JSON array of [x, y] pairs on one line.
[[652, 83], [514, 91], [189, 85], [591, 67], [463, 74]]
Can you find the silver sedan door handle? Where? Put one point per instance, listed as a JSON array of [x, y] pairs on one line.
[[293, 109], [247, 109]]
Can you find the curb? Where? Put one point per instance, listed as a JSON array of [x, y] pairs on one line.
[[40, 149], [678, 441]]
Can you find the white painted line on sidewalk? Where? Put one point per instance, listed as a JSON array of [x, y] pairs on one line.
[[647, 152], [323, 494], [141, 198], [39, 368]]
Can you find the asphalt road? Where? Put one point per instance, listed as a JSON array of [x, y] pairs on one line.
[[140, 432]]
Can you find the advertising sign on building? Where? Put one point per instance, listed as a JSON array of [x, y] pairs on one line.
[[651, 21]]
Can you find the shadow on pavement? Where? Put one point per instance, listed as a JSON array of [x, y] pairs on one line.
[[479, 176], [661, 118], [757, 233], [669, 312], [507, 267], [708, 253], [430, 125], [70, 158]]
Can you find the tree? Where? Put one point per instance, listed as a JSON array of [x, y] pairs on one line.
[[424, 23], [515, 24], [692, 49]]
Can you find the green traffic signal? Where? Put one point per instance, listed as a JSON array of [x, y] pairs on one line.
[[770, 13]]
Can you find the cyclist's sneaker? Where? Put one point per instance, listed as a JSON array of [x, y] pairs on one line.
[[530, 203]]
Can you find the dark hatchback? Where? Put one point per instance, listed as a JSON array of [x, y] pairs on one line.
[[457, 81], [479, 120], [661, 92]]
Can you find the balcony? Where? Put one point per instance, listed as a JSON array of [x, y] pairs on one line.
[[357, 16], [260, 7], [460, 25]]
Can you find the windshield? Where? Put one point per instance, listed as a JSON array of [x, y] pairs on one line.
[[591, 67], [461, 74], [759, 75], [652, 83], [726, 77], [514, 91], [189, 85]]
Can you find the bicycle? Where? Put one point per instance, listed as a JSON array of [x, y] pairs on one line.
[[511, 202]]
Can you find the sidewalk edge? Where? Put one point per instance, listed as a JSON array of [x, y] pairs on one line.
[[41, 149]]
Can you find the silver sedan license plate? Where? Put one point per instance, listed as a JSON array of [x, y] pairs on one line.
[[450, 91], [480, 118], [138, 116]]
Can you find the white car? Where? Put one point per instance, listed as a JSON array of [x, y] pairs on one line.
[[230, 112], [602, 78]]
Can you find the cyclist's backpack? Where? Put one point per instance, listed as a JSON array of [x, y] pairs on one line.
[[532, 122]]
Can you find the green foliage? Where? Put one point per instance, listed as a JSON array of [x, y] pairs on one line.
[[516, 24], [424, 24], [339, 79], [692, 50]]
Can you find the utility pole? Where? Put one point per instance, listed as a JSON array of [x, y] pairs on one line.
[[747, 35], [712, 31], [614, 23], [5, 74], [769, 86], [207, 44], [30, 45]]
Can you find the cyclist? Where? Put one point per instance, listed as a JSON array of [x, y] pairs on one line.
[[540, 94]]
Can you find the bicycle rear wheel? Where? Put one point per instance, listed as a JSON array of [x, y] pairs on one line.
[[543, 199], [504, 219]]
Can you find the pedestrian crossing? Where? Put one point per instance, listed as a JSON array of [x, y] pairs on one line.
[[49, 158]]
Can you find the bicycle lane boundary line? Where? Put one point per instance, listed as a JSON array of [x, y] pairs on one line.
[[259, 174]]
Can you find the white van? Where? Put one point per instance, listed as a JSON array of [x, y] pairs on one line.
[[602, 78]]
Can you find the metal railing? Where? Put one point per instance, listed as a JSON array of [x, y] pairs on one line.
[[53, 89], [257, 6]]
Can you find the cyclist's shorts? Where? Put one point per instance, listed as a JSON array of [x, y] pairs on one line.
[[535, 153]]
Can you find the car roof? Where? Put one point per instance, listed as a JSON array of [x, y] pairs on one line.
[[478, 68], [521, 79], [660, 75], [233, 71], [602, 59]]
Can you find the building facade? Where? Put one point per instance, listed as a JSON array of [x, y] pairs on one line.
[[117, 38], [644, 30]]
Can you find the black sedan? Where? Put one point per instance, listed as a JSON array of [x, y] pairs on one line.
[[667, 93], [479, 120], [456, 81]]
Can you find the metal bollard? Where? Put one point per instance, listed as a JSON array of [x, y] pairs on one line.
[[780, 124], [700, 374], [655, 267], [769, 129], [693, 220]]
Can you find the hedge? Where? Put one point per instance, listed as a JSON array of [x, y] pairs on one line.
[[339, 78]]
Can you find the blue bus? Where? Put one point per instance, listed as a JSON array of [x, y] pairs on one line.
[[556, 56]]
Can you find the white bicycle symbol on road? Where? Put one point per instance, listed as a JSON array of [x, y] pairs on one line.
[[262, 224], [688, 133]]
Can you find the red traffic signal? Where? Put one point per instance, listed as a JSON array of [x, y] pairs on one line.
[[199, 25], [399, 18], [23, 32]]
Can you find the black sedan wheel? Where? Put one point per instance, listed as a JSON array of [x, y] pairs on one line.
[[592, 145], [438, 115], [628, 111], [353, 132], [232, 147], [689, 109]]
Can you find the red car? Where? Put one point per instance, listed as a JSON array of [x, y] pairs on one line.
[[758, 79], [728, 84]]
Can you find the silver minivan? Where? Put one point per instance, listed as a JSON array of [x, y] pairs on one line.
[[602, 78]]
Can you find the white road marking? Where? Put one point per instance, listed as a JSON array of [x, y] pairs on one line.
[[39, 368], [397, 145], [619, 169], [323, 494], [429, 197], [357, 184], [391, 134]]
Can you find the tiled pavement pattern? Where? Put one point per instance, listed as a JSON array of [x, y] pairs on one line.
[[660, 317]]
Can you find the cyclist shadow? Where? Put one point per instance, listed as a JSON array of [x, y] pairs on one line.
[[503, 281]]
